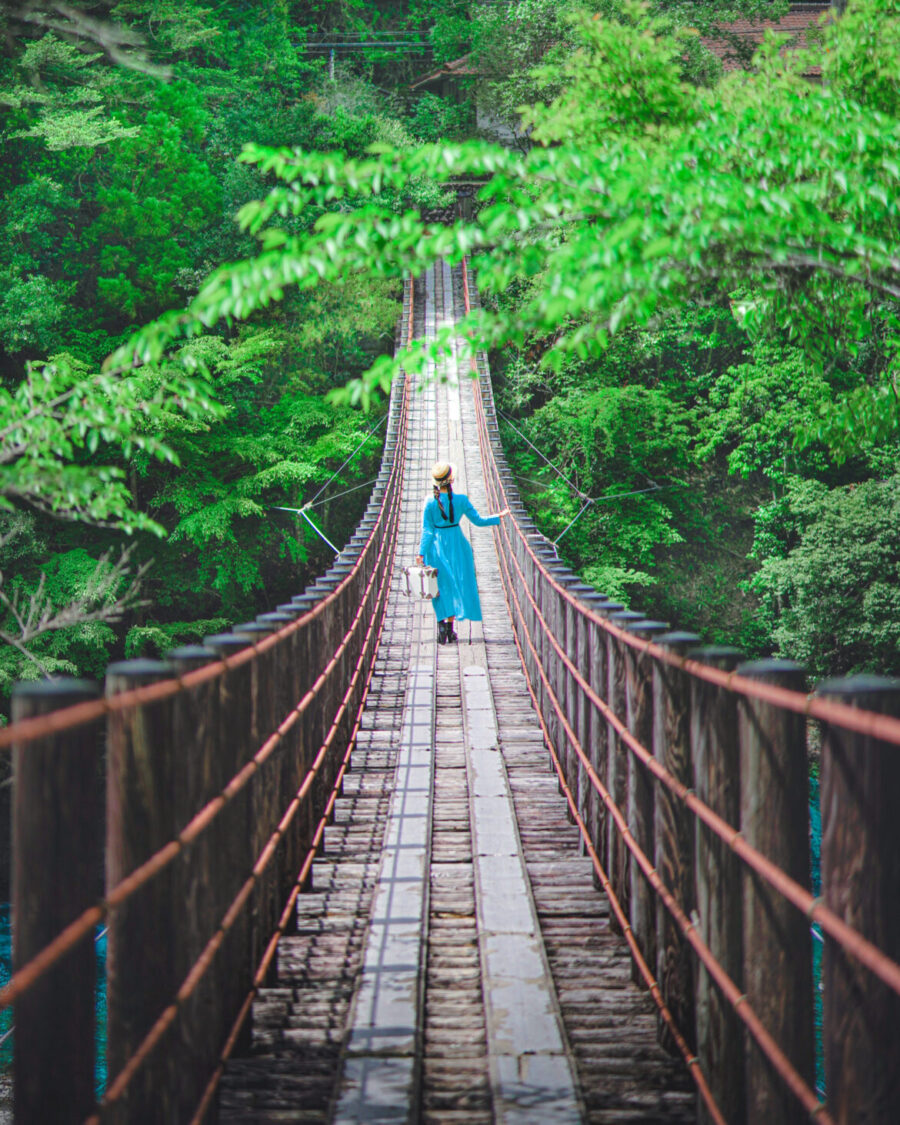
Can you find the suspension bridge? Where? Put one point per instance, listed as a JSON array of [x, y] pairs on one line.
[[557, 872]]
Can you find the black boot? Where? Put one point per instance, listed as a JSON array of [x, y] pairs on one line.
[[442, 632], [451, 635]]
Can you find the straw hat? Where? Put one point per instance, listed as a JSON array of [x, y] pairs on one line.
[[443, 473]]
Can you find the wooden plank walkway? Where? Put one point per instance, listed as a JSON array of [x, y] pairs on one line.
[[508, 1007]]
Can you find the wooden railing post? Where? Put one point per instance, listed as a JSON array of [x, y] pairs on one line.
[[595, 740], [777, 939], [578, 705], [617, 783], [640, 789], [605, 690], [675, 836], [558, 673], [57, 834], [203, 1023], [860, 783], [307, 656], [717, 873], [267, 801], [545, 596], [142, 949], [233, 747]]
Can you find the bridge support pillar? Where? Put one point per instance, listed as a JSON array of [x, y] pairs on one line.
[[860, 779], [675, 837], [57, 832], [717, 873], [777, 940]]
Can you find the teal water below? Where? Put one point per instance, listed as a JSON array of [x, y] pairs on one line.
[[6, 1016]]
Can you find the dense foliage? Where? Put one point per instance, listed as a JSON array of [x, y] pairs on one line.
[[120, 184], [690, 287], [699, 274]]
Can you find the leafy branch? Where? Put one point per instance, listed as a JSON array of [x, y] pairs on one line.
[[102, 598]]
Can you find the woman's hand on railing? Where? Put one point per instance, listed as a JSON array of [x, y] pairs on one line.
[[420, 561], [505, 512]]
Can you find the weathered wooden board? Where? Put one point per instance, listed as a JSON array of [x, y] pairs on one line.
[[608, 1025]]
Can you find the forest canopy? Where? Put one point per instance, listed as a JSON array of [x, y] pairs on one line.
[[690, 288]]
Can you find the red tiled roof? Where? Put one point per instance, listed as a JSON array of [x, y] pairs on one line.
[[796, 23], [798, 20]]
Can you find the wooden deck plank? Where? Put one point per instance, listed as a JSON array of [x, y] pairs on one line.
[[301, 1025]]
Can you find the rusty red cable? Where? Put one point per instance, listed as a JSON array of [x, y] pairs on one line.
[[302, 876], [690, 1059], [67, 718], [884, 727], [29, 973], [207, 956], [852, 941], [865, 951], [738, 1001], [764, 1040]]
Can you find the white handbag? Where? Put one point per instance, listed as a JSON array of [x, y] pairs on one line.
[[421, 581]]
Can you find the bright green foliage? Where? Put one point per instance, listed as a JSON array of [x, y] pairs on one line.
[[434, 117], [119, 193], [834, 599], [44, 593], [510, 42], [756, 409], [609, 441], [682, 276], [648, 189], [763, 180], [62, 410], [155, 641]]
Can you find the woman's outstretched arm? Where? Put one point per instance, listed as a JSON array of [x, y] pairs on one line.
[[482, 521]]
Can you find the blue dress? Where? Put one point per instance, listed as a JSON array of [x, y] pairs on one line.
[[444, 546]]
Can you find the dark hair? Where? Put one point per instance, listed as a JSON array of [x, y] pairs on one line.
[[437, 496]]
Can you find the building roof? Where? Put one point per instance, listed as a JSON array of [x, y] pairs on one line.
[[796, 23]]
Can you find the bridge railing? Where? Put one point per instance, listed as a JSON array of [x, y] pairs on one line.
[[686, 770], [222, 764]]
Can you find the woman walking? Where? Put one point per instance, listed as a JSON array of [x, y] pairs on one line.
[[444, 546]]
